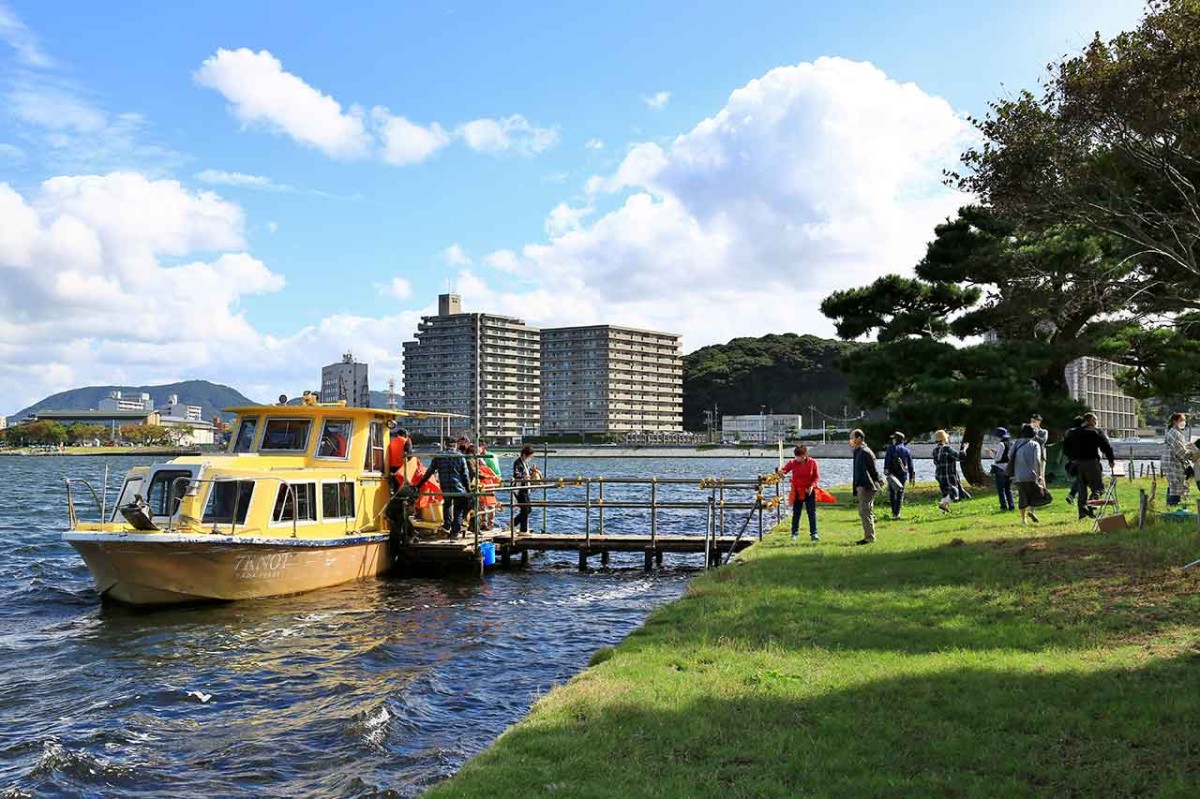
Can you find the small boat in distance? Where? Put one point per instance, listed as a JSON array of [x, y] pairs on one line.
[[295, 504]]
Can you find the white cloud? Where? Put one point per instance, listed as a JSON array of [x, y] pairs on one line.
[[399, 289], [22, 40], [503, 260], [218, 177], [564, 218], [657, 101], [594, 144], [10, 153], [261, 93], [405, 142], [811, 178], [509, 134], [455, 255]]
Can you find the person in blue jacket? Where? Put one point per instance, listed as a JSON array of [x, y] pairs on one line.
[[898, 471]]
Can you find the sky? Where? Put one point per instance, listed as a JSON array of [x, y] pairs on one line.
[[242, 191]]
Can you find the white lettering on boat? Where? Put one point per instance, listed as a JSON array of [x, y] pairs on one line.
[[263, 567]]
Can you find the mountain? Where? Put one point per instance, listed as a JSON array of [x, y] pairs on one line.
[[379, 399], [783, 373], [212, 397]]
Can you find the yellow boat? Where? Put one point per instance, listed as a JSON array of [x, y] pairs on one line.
[[295, 504]]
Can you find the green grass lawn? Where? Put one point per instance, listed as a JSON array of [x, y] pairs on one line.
[[961, 655]]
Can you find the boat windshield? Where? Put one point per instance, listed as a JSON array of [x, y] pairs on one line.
[[335, 439], [165, 491], [228, 502], [286, 435], [245, 435]]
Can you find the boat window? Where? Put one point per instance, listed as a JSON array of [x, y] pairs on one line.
[[227, 498], [337, 500], [296, 501], [373, 462], [166, 489], [132, 487], [335, 439], [286, 435], [245, 435]]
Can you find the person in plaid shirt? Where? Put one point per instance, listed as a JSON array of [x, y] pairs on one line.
[[945, 461], [1178, 454]]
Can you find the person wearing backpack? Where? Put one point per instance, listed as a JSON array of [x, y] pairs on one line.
[[1000, 456], [898, 471]]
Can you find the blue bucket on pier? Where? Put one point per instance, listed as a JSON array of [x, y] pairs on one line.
[[488, 550]]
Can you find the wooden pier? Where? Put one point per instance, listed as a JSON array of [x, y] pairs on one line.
[[713, 539]]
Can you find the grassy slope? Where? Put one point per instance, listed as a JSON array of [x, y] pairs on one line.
[[961, 655]]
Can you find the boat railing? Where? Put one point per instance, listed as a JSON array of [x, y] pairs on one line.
[[72, 516]]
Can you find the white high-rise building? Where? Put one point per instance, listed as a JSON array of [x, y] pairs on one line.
[[115, 401], [604, 379], [175, 409], [1093, 382], [484, 367], [347, 381]]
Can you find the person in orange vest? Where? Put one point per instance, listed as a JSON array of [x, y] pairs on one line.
[[805, 476], [399, 448]]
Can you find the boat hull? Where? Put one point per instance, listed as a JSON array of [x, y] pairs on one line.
[[157, 569]]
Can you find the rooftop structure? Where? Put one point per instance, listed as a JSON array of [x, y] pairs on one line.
[[116, 401]]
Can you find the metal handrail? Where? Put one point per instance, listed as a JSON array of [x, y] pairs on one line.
[[72, 517]]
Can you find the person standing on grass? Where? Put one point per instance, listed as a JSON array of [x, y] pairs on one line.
[[1027, 462], [945, 461], [1178, 455], [1084, 447], [805, 476], [898, 471], [1069, 467], [865, 483], [1000, 469]]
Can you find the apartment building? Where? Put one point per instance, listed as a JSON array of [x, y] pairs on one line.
[[484, 367], [762, 427], [1092, 381], [604, 379], [346, 380]]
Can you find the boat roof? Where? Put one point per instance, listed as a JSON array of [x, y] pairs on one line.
[[338, 409]]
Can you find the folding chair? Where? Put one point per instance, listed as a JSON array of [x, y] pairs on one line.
[[1108, 509]]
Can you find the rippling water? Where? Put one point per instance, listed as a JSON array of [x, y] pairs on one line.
[[377, 688]]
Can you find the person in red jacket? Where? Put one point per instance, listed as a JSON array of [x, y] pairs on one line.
[[805, 476]]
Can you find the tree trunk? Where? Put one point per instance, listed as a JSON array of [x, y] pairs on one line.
[[972, 464]]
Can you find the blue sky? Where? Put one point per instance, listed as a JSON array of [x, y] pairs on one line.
[[239, 191]]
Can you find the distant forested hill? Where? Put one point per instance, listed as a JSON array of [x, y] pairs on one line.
[[785, 373], [212, 397], [379, 399]]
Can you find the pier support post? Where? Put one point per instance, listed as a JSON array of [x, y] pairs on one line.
[[604, 557], [658, 558], [583, 553], [649, 562], [505, 557], [524, 557]]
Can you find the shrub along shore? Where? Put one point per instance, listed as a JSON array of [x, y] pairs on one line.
[[961, 655]]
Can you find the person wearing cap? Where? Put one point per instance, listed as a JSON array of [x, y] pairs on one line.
[[1000, 454], [898, 471], [1027, 465]]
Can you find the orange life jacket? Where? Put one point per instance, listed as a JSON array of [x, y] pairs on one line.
[[488, 480], [396, 452]]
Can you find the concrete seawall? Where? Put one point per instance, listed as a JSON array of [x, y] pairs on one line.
[[1142, 450]]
